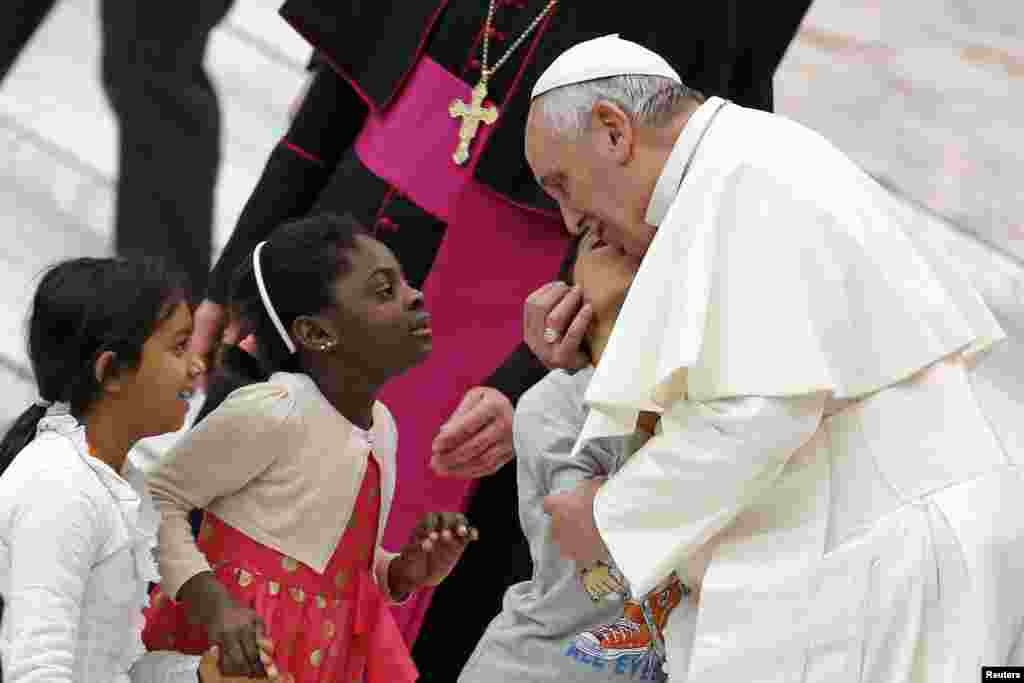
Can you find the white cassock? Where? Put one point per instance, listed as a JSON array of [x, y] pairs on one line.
[[823, 472]]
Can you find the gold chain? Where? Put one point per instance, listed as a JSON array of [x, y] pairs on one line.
[[485, 72]]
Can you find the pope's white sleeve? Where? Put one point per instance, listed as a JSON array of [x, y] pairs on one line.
[[689, 482]]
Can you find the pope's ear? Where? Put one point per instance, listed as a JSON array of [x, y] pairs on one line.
[[615, 130]]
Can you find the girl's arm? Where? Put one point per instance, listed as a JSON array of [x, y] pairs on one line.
[[381, 572], [234, 444], [56, 535]]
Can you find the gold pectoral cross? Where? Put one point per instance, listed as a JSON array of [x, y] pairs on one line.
[[472, 116]]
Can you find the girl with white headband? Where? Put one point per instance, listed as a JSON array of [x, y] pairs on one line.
[[293, 461]]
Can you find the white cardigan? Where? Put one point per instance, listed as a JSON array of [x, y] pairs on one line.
[[76, 555]]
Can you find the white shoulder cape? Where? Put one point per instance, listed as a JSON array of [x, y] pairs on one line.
[[779, 269]]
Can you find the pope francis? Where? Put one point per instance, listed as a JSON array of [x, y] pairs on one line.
[[823, 476]]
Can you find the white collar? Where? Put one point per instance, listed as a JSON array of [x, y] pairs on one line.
[[678, 162]]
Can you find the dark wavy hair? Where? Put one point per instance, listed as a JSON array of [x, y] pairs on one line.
[[82, 308], [300, 263]]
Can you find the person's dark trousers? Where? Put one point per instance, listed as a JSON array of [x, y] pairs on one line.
[[19, 20], [168, 116], [170, 128]]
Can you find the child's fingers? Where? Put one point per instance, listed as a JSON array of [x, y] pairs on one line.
[[431, 523], [454, 526], [268, 663]]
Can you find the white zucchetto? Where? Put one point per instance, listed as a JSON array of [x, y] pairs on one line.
[[603, 57]]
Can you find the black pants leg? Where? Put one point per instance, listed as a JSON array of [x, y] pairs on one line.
[[19, 20], [169, 123], [471, 596]]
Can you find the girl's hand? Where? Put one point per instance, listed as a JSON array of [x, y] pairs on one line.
[[434, 550], [209, 669], [236, 629]]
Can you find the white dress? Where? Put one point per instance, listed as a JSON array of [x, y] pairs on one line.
[[76, 557]]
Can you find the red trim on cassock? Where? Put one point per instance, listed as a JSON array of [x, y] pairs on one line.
[[374, 106], [302, 153], [420, 49], [337, 69]]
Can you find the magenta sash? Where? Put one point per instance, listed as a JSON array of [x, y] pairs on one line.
[[494, 253]]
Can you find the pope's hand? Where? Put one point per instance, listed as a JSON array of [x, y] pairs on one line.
[[558, 309], [477, 439], [573, 527]]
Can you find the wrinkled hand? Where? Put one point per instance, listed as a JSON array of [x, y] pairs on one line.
[[477, 439], [208, 329], [209, 670], [560, 308], [573, 527], [211, 327], [435, 548]]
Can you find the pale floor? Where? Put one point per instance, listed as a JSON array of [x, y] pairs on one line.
[[924, 94]]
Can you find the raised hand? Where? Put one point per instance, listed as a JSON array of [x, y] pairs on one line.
[[433, 551]]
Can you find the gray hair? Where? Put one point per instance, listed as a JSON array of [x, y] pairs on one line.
[[648, 100]]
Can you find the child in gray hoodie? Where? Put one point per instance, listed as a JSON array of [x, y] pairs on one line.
[[565, 624]]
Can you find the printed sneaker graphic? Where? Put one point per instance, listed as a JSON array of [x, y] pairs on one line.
[[631, 634]]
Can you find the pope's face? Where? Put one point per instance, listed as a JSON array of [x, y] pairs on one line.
[[594, 188]]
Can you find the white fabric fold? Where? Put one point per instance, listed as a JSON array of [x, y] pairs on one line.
[[779, 269], [690, 481], [76, 558]]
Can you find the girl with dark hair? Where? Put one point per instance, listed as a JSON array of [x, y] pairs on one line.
[[107, 341], [293, 462]]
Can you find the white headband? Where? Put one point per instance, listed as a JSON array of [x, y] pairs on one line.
[[266, 299]]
